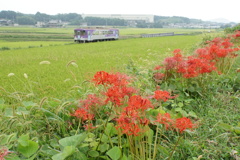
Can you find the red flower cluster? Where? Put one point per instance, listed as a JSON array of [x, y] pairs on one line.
[[104, 78], [162, 95], [193, 67], [217, 48], [132, 119], [206, 60], [116, 91], [116, 94], [4, 152], [165, 119], [236, 34], [136, 102], [116, 85], [179, 124], [129, 110], [87, 108], [172, 63]]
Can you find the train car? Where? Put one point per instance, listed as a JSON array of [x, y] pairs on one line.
[[82, 35]]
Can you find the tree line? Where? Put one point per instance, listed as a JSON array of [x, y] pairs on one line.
[[76, 19], [71, 18]]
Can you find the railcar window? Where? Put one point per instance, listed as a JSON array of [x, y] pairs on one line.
[[96, 33], [82, 33], [110, 32]]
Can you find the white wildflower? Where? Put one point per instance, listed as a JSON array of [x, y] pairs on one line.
[[25, 75], [68, 79], [45, 62], [11, 74], [74, 64]]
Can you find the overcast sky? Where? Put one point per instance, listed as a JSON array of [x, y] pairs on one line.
[[198, 9]]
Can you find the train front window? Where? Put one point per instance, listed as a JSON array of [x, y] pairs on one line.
[[82, 33]]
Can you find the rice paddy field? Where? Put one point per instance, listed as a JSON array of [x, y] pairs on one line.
[[62, 100], [24, 57]]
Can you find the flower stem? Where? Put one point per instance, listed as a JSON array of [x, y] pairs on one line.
[[155, 144], [174, 148]]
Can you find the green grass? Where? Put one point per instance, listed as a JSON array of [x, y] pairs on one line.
[[30, 44], [36, 101], [55, 79]]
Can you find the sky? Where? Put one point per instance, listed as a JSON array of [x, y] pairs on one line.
[[197, 9]]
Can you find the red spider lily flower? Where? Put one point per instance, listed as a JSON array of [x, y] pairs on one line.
[[158, 67], [181, 124], [136, 102], [177, 51], [88, 107], [216, 41], [4, 152], [89, 127], [236, 35], [226, 43], [116, 94], [92, 101], [195, 66], [104, 78], [204, 54], [162, 95], [121, 79], [130, 122], [101, 77], [83, 114], [165, 119], [158, 76], [144, 121], [171, 63]]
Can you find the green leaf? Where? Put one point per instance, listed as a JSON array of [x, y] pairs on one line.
[[21, 111], [192, 114], [67, 151], [6, 139], [73, 140], [2, 101], [104, 138], [180, 104], [79, 156], [29, 149], [48, 150], [15, 157], [93, 153], [28, 103], [103, 147], [110, 130], [114, 153], [183, 113], [124, 157], [8, 112], [149, 134], [163, 149], [237, 130], [225, 126], [23, 140]]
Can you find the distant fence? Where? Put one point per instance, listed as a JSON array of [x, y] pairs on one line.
[[157, 35], [167, 34]]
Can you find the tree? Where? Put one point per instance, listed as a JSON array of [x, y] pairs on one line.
[[25, 20], [42, 17], [11, 15]]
